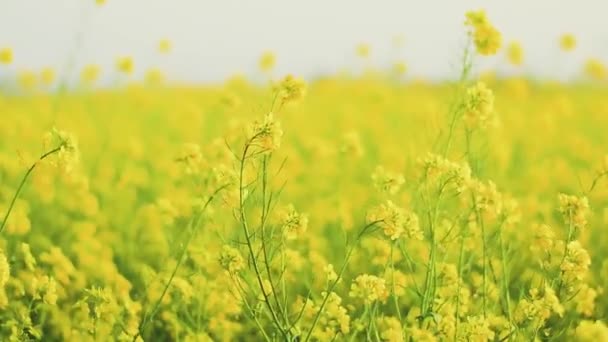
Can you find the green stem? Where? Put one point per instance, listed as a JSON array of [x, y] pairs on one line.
[[333, 285], [22, 184], [194, 222], [484, 261], [246, 230], [569, 239], [395, 299], [459, 287], [505, 278]]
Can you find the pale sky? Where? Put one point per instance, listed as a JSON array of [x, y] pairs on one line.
[[214, 39]]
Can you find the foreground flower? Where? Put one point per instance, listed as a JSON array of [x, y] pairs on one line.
[[292, 223], [266, 134], [369, 288], [395, 221], [231, 259]]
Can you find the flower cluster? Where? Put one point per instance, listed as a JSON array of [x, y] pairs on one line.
[[486, 37], [386, 181], [574, 210], [479, 106], [231, 259], [369, 289], [266, 135], [394, 221], [445, 173], [291, 89], [293, 224]]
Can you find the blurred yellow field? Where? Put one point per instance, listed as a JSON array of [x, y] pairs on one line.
[[350, 207]]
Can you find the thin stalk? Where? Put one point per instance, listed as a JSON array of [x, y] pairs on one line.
[[333, 285], [267, 261], [395, 299], [22, 184], [460, 266], [569, 239], [485, 261], [246, 230], [194, 222], [505, 278]]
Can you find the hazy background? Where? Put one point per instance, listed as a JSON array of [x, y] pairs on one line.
[[214, 39]]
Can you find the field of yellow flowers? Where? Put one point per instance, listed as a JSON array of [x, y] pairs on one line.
[[342, 209]]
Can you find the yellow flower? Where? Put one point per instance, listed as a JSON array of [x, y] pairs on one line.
[[487, 40], [387, 181], [390, 329], [595, 69], [231, 259], [363, 50], [476, 18], [292, 223], [574, 210], [589, 331], [400, 68], [369, 288], [266, 135], [28, 258], [395, 221], [100, 2], [515, 53], [291, 89], [267, 61], [6, 55], [125, 64], [567, 42], [164, 46], [154, 76], [5, 271], [486, 37], [479, 106], [47, 76], [90, 74], [27, 79]]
